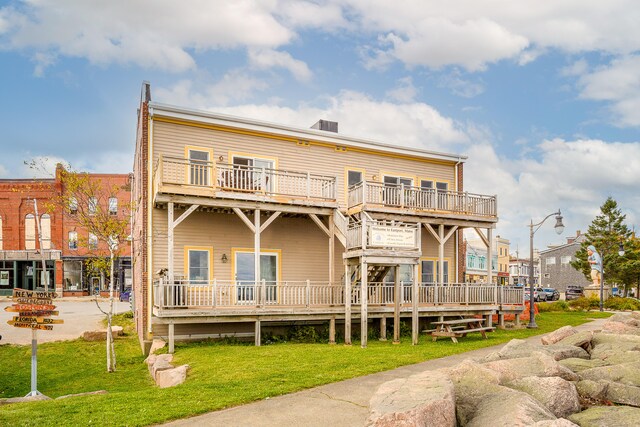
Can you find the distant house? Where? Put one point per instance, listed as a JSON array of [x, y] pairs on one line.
[[555, 265], [241, 224]]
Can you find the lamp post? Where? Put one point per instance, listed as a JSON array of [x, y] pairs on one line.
[[559, 227], [621, 253]]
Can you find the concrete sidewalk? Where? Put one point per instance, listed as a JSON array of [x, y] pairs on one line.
[[341, 404]]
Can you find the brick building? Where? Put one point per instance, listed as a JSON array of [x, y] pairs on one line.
[[27, 237]]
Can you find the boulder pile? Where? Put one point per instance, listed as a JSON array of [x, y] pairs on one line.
[[571, 378], [163, 372]]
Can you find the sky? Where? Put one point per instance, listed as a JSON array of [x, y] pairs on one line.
[[543, 96]]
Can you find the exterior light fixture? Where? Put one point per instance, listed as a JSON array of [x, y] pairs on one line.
[[224, 258]]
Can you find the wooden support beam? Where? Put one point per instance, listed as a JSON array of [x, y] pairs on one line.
[[315, 219], [332, 330], [332, 248], [450, 233], [270, 220], [415, 314], [396, 305], [244, 219], [258, 331], [501, 321], [383, 328], [490, 261], [347, 305], [432, 231], [441, 254], [172, 338], [256, 246], [482, 236], [364, 297], [170, 237], [185, 214]]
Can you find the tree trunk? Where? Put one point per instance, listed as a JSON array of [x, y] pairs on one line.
[[111, 353]]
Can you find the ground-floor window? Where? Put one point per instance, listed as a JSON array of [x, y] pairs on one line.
[[72, 275], [245, 274], [430, 271]]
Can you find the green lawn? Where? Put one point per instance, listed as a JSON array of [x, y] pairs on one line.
[[221, 375]]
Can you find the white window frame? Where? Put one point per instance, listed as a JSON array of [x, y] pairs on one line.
[[45, 230], [73, 240], [565, 259], [113, 206], [550, 260], [245, 288], [195, 171], [269, 179], [30, 235], [187, 273], [92, 241]]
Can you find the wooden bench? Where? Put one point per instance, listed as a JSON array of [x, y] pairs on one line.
[[451, 328]]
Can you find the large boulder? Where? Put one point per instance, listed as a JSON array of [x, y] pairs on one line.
[[580, 339], [612, 416], [35, 398], [425, 399], [509, 408], [101, 334], [620, 328], [156, 345], [557, 395], [162, 362], [517, 348], [172, 377], [538, 364], [625, 373], [601, 338], [593, 391], [630, 319], [558, 334], [579, 364], [608, 350], [623, 394]]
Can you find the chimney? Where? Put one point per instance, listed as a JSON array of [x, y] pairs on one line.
[[326, 125]]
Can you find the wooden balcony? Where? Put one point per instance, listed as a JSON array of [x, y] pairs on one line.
[[415, 200], [179, 176], [233, 298]]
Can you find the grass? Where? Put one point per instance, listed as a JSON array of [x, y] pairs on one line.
[[221, 375]]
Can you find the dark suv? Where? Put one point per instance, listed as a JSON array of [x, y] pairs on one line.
[[574, 292]]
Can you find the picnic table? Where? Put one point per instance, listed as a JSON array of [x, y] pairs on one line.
[[459, 328]]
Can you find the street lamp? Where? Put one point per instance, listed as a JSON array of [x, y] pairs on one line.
[[559, 227], [621, 253]]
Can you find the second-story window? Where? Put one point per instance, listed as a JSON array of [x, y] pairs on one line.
[[551, 261], [0, 233], [45, 230], [93, 241], [30, 232], [565, 259], [354, 177], [73, 205], [93, 205], [113, 206], [73, 240]]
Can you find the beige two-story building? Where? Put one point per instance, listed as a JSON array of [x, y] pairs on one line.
[[241, 224]]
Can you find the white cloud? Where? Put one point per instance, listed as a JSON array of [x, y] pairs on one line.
[[618, 83], [404, 92], [3, 171], [268, 58], [459, 86], [305, 14], [577, 68]]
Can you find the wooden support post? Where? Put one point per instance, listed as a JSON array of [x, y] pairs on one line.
[[415, 323], [172, 338], [347, 305], [383, 328], [396, 305], [364, 297], [488, 320], [256, 248], [332, 330], [517, 320], [501, 320], [332, 245], [440, 266], [258, 333], [170, 227], [489, 257]]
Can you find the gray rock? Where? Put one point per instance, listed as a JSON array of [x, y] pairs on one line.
[[425, 399], [626, 318], [623, 394], [609, 416], [608, 350], [162, 363], [172, 377], [156, 345], [579, 365], [625, 373], [601, 338], [538, 364], [580, 339], [558, 334], [35, 398], [594, 390], [557, 395], [560, 422], [565, 351], [623, 357], [509, 409], [620, 328], [101, 334]]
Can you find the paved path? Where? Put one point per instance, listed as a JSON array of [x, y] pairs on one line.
[[79, 315], [342, 404]]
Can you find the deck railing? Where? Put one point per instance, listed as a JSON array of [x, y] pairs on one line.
[[244, 179], [308, 294], [411, 197]]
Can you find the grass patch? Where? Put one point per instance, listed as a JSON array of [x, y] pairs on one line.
[[221, 375]]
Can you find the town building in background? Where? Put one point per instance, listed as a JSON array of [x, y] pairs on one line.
[[476, 260], [502, 246], [519, 269], [27, 237], [555, 265]]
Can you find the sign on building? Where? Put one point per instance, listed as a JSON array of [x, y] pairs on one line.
[[396, 237]]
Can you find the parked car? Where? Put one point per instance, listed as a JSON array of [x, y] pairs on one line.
[[574, 292], [125, 295], [538, 294], [552, 294]]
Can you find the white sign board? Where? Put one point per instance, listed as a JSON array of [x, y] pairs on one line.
[[396, 237]]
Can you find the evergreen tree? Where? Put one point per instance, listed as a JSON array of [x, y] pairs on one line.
[[606, 232]]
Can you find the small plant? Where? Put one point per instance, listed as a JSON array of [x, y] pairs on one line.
[[584, 303], [619, 303], [553, 306]]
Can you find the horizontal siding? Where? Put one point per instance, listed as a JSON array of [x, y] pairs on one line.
[[171, 139], [305, 248]]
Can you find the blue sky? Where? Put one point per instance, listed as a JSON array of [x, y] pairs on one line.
[[543, 96]]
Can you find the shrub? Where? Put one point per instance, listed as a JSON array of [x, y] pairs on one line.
[[619, 303], [553, 306], [585, 304]]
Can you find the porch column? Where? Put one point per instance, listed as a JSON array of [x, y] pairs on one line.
[[441, 254], [364, 294], [257, 332], [332, 330], [383, 327], [347, 305], [489, 256], [332, 237], [172, 339], [170, 228], [256, 253], [415, 324], [396, 305]]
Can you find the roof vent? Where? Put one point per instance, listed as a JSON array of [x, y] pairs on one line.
[[326, 125]]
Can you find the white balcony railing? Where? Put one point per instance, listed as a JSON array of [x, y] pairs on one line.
[[410, 197], [317, 295], [244, 179]]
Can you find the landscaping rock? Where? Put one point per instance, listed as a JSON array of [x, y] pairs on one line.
[[101, 334], [89, 393], [594, 390], [558, 334], [425, 399], [520, 348], [580, 339], [557, 395], [620, 328], [512, 408], [538, 364], [560, 422], [623, 357], [610, 416], [156, 345], [565, 351], [607, 350], [625, 373], [35, 398], [579, 365], [172, 377], [601, 338], [162, 363], [623, 394], [628, 319]]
